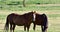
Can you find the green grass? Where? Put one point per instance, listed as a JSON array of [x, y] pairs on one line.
[[17, 5], [33, 1], [21, 8], [43, 1]]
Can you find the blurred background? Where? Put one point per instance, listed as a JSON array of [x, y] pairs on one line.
[[50, 7]]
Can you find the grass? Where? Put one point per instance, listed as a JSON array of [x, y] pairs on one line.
[[33, 1], [17, 7]]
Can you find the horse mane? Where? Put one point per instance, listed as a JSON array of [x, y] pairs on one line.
[[27, 13]]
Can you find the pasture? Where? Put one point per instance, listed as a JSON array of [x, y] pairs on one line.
[[50, 7]]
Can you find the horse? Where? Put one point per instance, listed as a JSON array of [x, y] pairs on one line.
[[19, 20], [41, 20]]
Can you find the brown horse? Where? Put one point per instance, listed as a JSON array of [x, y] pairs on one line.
[[41, 19], [20, 20]]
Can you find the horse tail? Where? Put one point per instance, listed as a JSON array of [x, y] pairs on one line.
[[6, 25], [45, 20]]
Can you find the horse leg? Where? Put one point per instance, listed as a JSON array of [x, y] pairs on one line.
[[14, 27], [34, 27], [10, 27], [42, 28], [24, 28], [28, 28], [45, 29]]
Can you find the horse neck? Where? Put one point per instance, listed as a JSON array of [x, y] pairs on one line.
[[29, 17]]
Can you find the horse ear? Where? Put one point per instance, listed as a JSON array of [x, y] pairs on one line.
[[34, 11]]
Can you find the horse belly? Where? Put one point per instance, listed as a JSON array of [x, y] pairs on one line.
[[38, 22], [19, 23]]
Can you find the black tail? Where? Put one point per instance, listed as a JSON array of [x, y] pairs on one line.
[[45, 20], [6, 25]]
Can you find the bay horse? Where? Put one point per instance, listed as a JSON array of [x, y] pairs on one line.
[[41, 20], [19, 20]]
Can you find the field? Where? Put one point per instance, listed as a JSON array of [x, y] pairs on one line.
[[50, 7], [17, 4]]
